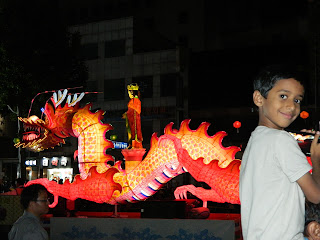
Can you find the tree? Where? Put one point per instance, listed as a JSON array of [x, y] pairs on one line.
[[15, 82]]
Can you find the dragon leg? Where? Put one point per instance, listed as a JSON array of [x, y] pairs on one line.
[[203, 194], [224, 182]]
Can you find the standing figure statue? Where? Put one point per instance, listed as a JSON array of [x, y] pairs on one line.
[[132, 116]]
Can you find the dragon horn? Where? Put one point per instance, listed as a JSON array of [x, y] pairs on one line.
[[55, 98], [59, 98], [69, 99], [75, 99]]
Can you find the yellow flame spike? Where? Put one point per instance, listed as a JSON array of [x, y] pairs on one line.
[[168, 129], [203, 127]]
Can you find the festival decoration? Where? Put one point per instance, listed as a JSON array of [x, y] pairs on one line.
[[237, 125], [304, 114], [132, 116], [113, 137], [174, 153]]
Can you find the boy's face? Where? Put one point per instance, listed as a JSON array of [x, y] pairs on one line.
[[282, 105]]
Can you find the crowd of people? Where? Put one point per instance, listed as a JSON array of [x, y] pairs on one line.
[[15, 188]]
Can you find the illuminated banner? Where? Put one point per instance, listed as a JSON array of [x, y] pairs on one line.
[[56, 162]]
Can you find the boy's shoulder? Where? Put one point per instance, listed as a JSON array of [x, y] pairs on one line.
[[272, 134]]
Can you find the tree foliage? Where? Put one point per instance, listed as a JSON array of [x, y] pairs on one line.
[[15, 82]]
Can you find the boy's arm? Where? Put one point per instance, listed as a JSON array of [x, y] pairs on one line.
[[310, 184], [310, 188]]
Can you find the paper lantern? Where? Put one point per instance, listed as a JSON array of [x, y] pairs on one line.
[[237, 124], [304, 114], [113, 137]]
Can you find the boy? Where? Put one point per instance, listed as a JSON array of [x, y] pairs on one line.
[[34, 200], [274, 175]]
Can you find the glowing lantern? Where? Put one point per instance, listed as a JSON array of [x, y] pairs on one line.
[[237, 125], [304, 114], [113, 137]]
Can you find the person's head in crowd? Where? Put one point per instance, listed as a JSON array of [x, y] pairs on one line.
[[34, 199], [19, 182], [312, 219]]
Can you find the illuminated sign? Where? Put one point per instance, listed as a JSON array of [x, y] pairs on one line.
[[31, 162], [64, 161], [120, 145], [45, 162], [56, 162]]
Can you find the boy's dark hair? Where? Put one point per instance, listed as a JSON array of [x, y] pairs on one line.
[[270, 75], [31, 193], [312, 214]]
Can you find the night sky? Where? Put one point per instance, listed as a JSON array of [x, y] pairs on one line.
[[252, 34]]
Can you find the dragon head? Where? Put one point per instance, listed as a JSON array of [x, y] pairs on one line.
[[39, 134]]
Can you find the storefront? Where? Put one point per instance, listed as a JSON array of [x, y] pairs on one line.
[[56, 168], [32, 168], [53, 168]]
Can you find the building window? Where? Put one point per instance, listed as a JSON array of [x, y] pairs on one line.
[[89, 51], [114, 89], [168, 84], [145, 85], [115, 48], [147, 130]]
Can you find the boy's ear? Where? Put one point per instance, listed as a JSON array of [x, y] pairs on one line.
[[257, 98], [313, 229]]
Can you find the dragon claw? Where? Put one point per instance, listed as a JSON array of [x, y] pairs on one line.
[[181, 192], [55, 202]]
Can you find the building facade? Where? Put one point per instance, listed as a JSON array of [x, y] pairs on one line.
[[108, 51]]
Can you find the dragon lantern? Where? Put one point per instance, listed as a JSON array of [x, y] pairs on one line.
[[174, 153]]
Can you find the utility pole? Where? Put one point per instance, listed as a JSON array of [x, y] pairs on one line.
[[19, 149]]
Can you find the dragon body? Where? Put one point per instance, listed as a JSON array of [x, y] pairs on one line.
[[174, 153]]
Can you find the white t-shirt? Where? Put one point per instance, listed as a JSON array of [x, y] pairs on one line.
[[272, 202]]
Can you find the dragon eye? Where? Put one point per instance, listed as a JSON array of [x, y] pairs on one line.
[[33, 118]]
